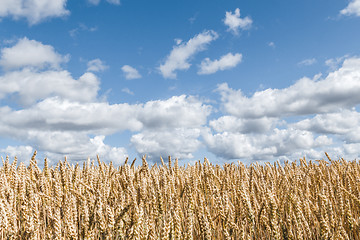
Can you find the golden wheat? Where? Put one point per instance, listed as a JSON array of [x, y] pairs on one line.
[[310, 200]]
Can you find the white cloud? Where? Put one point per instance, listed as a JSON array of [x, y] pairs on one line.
[[101, 118], [77, 146], [175, 112], [96, 65], [352, 9], [307, 62], [33, 73], [34, 11], [341, 122], [30, 53], [61, 115], [61, 127], [130, 72], [177, 142], [234, 22], [344, 123], [227, 61], [240, 125], [96, 2], [307, 96], [30, 86], [171, 127], [56, 114], [258, 127], [23, 153], [273, 144], [179, 57], [65, 117], [352, 149], [89, 148], [115, 154]]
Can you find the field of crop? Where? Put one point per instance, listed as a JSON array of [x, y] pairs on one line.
[[310, 200]]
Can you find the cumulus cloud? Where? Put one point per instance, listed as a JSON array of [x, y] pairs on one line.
[[307, 96], [177, 142], [179, 57], [276, 143], [23, 153], [60, 112], [258, 127], [352, 9], [130, 72], [65, 117], [56, 114], [86, 148], [307, 62], [77, 146], [58, 126], [344, 123], [34, 11], [234, 22], [241, 125], [175, 112], [30, 86], [30, 53], [60, 136], [96, 65], [227, 61], [101, 118], [61, 127], [352, 149], [33, 73], [171, 127]]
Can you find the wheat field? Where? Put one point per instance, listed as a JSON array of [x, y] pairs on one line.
[[309, 200]]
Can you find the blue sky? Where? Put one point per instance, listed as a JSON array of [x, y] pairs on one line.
[[226, 80]]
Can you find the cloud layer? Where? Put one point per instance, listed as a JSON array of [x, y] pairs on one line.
[[307, 96], [65, 116], [257, 127], [59, 115]]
